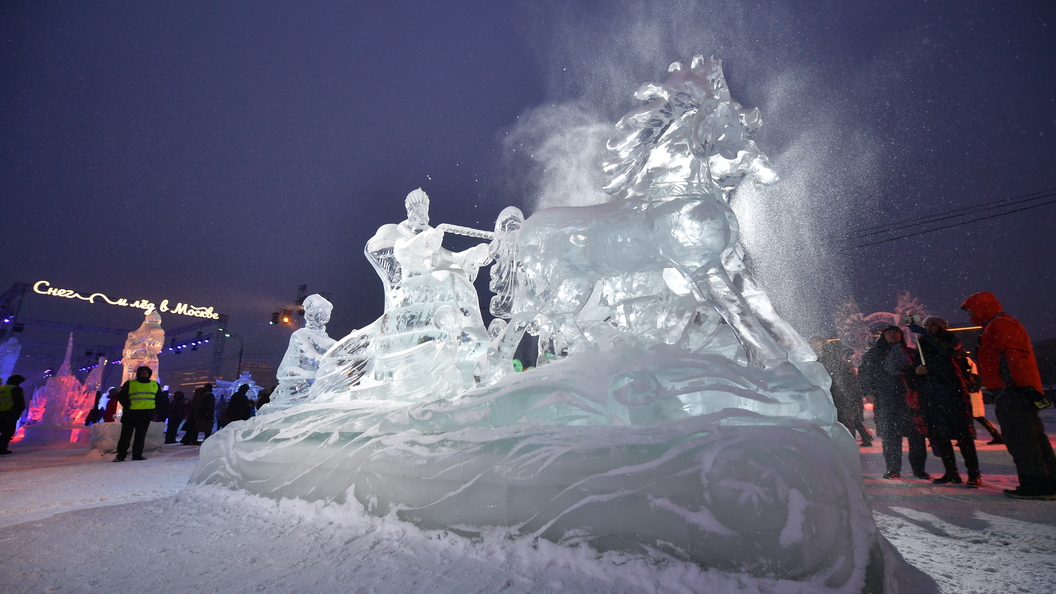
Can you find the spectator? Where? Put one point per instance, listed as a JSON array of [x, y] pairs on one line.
[[896, 408], [846, 395], [264, 396], [190, 425], [240, 408], [177, 410], [945, 400], [161, 407], [12, 403], [96, 414], [110, 414], [1010, 371], [204, 409]]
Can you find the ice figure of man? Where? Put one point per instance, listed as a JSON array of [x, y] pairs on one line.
[[413, 248], [8, 356], [143, 346], [429, 292], [307, 345]]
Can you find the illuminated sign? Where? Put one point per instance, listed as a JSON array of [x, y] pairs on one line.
[[185, 309]]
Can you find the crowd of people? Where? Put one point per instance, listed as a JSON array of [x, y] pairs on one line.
[[203, 413], [933, 393]]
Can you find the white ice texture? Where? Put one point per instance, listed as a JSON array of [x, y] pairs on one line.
[[57, 410], [672, 411]]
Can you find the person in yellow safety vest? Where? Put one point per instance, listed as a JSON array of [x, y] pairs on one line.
[[12, 403], [137, 398]]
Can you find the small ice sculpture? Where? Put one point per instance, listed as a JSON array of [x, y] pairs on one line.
[[225, 389], [143, 346], [307, 345], [679, 416], [9, 352], [59, 407], [427, 342]]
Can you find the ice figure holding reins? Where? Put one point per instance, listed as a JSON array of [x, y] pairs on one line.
[[428, 340], [660, 264]]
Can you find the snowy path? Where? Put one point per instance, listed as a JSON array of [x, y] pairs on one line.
[[71, 522]]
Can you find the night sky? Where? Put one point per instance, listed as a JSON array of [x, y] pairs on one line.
[[223, 153]]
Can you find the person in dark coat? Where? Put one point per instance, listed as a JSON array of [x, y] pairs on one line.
[[177, 411], [264, 396], [896, 409], [161, 407], [239, 408], [846, 395], [204, 411], [12, 404], [96, 414], [945, 401], [190, 426]]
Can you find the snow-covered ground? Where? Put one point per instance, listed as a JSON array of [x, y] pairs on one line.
[[72, 521]]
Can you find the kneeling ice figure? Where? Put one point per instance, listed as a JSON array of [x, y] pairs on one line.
[[297, 370], [687, 421]]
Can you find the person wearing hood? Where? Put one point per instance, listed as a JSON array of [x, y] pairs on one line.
[[1009, 371], [883, 375], [12, 403]]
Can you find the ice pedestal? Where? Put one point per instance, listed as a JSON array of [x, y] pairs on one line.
[[53, 435], [104, 437], [647, 450]]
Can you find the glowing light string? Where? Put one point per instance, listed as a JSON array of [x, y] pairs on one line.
[[43, 287]]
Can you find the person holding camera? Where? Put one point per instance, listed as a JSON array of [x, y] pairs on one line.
[[886, 367], [1010, 371], [944, 398]]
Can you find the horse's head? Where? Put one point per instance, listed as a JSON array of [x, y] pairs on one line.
[[689, 132]]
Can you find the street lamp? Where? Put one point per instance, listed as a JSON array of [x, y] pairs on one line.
[[241, 346]]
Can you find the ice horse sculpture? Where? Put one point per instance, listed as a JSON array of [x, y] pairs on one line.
[[680, 417]]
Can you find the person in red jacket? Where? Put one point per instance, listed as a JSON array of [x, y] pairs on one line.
[[1010, 372]]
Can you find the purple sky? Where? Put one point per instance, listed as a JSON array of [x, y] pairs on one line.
[[224, 153]]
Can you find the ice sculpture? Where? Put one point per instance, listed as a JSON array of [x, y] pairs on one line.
[[307, 345], [143, 346], [678, 416], [427, 342], [225, 389], [9, 352], [58, 408]]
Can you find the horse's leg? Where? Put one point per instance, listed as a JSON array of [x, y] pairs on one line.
[[498, 360], [763, 308], [757, 342]]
